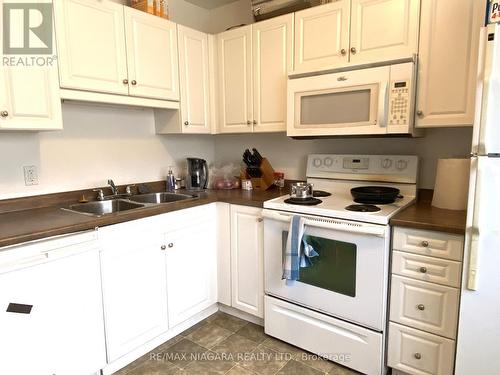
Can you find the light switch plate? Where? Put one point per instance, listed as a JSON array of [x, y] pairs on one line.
[[30, 175]]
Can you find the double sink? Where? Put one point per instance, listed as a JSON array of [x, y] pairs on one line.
[[132, 202]]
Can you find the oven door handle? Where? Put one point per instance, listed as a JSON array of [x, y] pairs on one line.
[[325, 223]]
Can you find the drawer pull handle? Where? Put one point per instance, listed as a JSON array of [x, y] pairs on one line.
[[19, 308], [423, 269], [421, 307], [417, 356], [425, 244]]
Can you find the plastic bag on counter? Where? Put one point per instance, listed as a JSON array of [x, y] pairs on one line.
[[224, 177]]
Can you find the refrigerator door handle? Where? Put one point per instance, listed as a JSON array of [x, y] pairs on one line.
[[473, 253]]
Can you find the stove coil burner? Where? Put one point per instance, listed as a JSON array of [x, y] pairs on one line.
[[362, 208], [321, 193], [304, 201]]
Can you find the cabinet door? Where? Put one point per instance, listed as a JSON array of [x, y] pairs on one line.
[[247, 264], [135, 291], [194, 80], [449, 44], [191, 271], [235, 80], [91, 45], [19, 86], [151, 56], [272, 60], [383, 30], [322, 37]]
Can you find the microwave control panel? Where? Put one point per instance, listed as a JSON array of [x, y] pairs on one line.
[[399, 103]]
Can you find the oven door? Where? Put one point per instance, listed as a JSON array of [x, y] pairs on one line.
[[347, 280], [346, 103]]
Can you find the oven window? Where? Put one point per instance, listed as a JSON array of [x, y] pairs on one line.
[[340, 107], [335, 267]]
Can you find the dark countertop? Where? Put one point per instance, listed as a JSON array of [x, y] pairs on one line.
[[423, 215], [35, 223]]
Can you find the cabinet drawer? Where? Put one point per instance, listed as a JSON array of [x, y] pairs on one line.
[[435, 270], [419, 353], [429, 307], [435, 244]]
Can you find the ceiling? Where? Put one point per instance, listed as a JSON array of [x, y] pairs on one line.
[[210, 4]]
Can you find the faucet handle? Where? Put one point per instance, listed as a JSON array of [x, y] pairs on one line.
[[128, 189], [100, 194]]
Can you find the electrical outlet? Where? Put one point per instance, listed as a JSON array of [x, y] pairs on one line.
[[30, 175]]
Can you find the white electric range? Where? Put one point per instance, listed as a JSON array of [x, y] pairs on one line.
[[338, 307]]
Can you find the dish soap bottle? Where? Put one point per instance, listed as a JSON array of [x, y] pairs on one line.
[[170, 180]]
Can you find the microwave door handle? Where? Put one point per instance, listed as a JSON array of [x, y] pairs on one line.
[[329, 224], [383, 107]]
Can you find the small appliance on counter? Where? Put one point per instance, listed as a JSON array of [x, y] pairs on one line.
[[197, 174], [452, 184], [259, 170]]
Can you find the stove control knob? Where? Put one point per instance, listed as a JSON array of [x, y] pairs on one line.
[[328, 162], [317, 162], [401, 165], [386, 163]]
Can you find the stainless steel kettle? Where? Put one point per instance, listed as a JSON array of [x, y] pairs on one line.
[[197, 175]]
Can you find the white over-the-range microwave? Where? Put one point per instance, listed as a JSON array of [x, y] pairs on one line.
[[371, 101]]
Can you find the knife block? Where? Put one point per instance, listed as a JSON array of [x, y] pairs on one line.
[[267, 179]]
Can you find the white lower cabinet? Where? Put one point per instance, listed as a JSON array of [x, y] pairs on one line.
[[191, 270], [424, 301], [415, 352], [134, 288], [247, 260]]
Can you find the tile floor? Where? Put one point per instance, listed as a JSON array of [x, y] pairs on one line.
[[224, 344]]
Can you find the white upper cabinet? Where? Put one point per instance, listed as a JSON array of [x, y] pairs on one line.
[[18, 109], [235, 80], [195, 81], [272, 60], [91, 46], [322, 36], [151, 56], [383, 30], [449, 44], [18, 87]]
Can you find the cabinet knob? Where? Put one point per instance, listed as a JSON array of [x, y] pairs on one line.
[[423, 269], [425, 244], [353, 50], [255, 122], [421, 307], [134, 82], [249, 122], [343, 51], [417, 355], [125, 81], [163, 247], [4, 113], [420, 113], [170, 245], [260, 220], [186, 123]]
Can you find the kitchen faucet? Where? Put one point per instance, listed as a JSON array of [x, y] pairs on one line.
[[114, 189]]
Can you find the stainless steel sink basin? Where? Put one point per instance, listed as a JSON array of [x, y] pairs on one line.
[[99, 208], [156, 198]]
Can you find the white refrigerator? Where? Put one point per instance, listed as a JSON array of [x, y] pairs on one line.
[[478, 343]]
